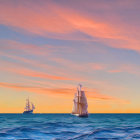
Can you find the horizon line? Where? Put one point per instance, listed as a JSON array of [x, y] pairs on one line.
[[70, 113]]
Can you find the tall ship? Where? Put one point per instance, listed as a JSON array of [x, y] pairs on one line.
[[80, 104], [29, 108]]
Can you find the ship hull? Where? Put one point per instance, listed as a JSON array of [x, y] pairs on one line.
[[28, 112], [81, 115]]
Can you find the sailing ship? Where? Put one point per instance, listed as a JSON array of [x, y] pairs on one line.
[[29, 108], [80, 103]]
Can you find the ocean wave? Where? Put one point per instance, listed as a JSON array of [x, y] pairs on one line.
[[3, 134], [111, 133], [67, 127]]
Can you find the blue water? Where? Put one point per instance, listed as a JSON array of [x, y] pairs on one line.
[[69, 127]]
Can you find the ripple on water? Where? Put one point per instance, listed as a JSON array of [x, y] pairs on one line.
[[68, 127]]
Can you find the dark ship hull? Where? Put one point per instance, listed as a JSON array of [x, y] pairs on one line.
[[81, 115], [28, 112]]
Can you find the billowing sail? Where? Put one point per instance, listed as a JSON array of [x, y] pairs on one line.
[[80, 103], [29, 107], [75, 105], [33, 107]]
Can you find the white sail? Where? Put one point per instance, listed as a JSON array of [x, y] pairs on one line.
[[80, 102], [33, 107], [75, 105]]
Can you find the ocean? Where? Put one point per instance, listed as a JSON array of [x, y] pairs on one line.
[[69, 127]]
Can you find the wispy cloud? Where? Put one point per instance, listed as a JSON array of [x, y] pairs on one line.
[[127, 68], [16, 52], [67, 92], [81, 66], [16, 47], [63, 23], [18, 69]]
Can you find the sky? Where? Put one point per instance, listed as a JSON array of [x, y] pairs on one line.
[[48, 47]]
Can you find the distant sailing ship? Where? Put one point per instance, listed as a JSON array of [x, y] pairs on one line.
[[29, 108], [80, 103]]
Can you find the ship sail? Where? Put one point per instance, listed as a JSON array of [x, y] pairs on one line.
[[29, 108], [33, 107], [80, 103], [75, 105]]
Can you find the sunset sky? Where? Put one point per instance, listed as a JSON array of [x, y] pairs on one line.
[[47, 47]]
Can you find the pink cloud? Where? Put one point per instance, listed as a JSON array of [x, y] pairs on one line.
[[63, 23], [81, 66], [20, 70], [36, 19], [128, 68], [14, 47], [96, 66]]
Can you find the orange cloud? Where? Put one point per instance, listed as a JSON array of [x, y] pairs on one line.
[[66, 92], [32, 73]]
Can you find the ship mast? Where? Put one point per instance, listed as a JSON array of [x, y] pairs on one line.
[[79, 97], [78, 100], [27, 105]]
